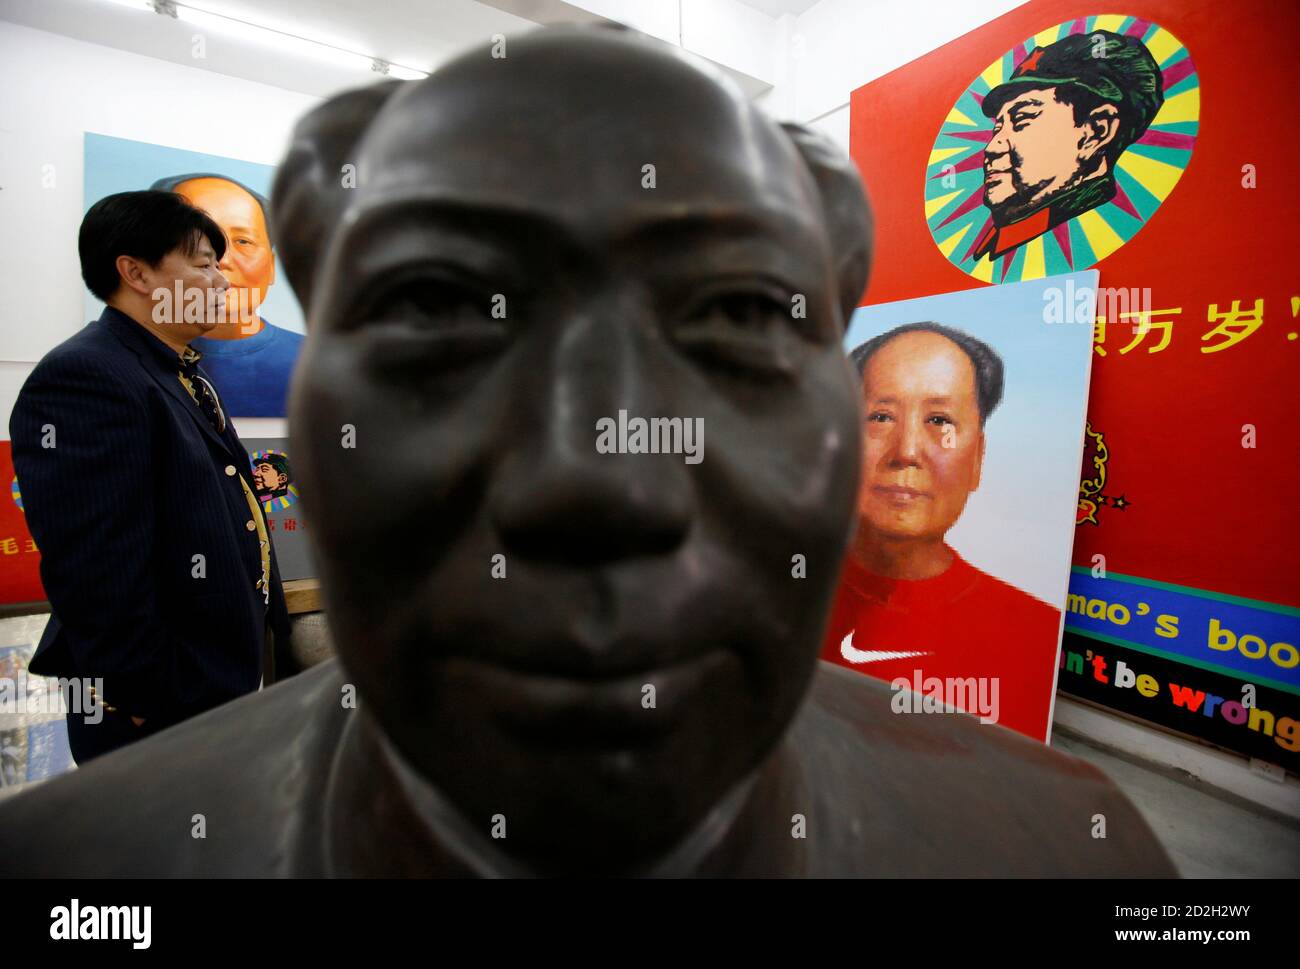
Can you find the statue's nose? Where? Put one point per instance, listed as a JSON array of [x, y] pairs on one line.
[[563, 497]]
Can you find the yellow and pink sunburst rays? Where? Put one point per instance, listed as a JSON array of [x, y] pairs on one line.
[[1145, 174]]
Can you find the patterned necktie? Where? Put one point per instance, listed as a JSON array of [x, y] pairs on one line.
[[206, 397]]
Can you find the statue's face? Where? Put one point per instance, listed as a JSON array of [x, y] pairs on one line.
[[596, 646]]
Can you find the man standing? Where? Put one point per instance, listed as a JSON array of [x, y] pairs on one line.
[[154, 551]]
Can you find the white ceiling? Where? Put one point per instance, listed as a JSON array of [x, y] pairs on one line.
[[419, 34], [775, 8], [415, 33]]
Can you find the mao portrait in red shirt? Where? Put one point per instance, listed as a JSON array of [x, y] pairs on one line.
[[908, 604]]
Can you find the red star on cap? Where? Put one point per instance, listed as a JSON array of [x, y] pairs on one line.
[[1030, 62]]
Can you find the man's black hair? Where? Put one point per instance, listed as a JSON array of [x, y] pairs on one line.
[[169, 184], [985, 360], [144, 225]]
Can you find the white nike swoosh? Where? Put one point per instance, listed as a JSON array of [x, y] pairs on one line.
[[857, 656]]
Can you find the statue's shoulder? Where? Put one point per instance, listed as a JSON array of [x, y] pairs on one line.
[[942, 794], [234, 791]]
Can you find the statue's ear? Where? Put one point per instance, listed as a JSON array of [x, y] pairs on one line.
[[311, 184], [844, 203]]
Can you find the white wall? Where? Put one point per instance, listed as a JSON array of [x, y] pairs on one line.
[[813, 60], [52, 90], [838, 45], [743, 41], [657, 19], [728, 32], [733, 34]]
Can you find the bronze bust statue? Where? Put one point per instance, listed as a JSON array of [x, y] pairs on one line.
[[567, 660]]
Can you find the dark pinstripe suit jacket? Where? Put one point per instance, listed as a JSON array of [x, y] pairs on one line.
[[136, 485]]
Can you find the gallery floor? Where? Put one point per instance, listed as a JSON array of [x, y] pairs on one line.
[[1207, 833]]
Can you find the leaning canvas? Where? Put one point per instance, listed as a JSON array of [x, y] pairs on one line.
[[973, 425]]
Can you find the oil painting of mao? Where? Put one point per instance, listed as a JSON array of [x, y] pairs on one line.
[[249, 358], [553, 660]]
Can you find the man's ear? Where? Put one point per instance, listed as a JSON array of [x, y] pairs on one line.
[[977, 473], [131, 273], [310, 188], [1100, 130], [845, 209]]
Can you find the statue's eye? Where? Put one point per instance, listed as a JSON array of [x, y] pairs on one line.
[[427, 326], [746, 310], [747, 332], [433, 303]]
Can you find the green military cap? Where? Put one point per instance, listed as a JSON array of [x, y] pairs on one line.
[[276, 460], [1120, 70]]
